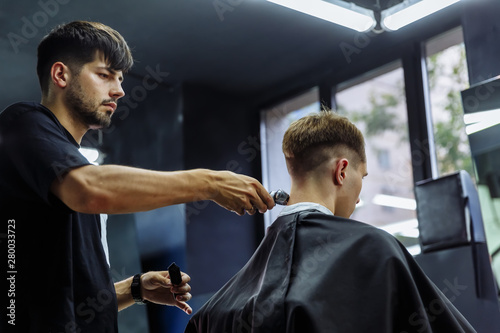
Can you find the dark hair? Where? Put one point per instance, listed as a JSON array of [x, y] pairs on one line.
[[313, 139], [76, 44]]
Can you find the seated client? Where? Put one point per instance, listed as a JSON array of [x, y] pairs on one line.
[[316, 270]]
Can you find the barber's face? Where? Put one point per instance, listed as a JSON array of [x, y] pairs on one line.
[[93, 93]]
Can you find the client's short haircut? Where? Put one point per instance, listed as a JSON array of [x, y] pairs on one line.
[[315, 138]]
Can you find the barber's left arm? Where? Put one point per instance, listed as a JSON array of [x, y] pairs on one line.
[[155, 287]]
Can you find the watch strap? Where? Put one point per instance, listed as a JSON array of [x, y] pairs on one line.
[[135, 290]]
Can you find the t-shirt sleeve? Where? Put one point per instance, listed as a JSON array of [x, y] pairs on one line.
[[39, 150]]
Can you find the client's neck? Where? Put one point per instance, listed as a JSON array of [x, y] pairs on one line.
[[311, 191]]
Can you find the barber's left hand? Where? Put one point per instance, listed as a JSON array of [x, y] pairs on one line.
[[157, 288]]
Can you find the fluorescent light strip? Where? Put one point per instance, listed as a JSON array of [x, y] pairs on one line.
[[331, 12], [412, 233], [395, 202], [477, 127], [414, 13], [400, 227], [471, 118], [408, 228], [414, 250], [479, 121]]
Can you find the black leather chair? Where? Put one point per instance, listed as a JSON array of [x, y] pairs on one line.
[[454, 251]]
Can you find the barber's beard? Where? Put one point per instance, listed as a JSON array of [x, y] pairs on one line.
[[85, 110]]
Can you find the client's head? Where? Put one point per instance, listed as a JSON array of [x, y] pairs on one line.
[[326, 151]]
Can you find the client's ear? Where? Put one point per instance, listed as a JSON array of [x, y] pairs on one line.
[[339, 173]]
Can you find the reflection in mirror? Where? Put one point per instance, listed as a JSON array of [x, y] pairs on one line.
[[482, 119]]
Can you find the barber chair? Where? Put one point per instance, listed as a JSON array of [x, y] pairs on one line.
[[454, 251]]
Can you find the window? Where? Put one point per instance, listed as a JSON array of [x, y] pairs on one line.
[[384, 159], [376, 104], [447, 75], [274, 123]]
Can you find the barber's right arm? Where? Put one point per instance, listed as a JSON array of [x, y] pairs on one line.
[[114, 189]]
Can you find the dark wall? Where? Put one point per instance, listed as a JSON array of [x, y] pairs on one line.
[[221, 133]]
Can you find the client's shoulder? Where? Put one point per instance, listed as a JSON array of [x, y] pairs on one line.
[[347, 229]]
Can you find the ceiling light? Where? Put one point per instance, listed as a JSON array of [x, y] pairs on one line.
[[346, 14], [479, 121], [410, 11], [393, 201]]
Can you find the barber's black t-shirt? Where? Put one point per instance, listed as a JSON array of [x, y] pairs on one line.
[[57, 278]]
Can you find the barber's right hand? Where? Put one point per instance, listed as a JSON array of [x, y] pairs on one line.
[[240, 193]]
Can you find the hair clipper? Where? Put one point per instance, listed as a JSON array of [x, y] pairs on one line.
[[280, 197]]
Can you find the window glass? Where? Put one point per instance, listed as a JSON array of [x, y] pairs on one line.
[[376, 104], [274, 123], [447, 77]]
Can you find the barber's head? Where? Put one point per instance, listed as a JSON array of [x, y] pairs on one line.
[[78, 43], [80, 68], [330, 150]]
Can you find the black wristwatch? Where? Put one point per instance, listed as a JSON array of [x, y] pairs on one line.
[[135, 290]]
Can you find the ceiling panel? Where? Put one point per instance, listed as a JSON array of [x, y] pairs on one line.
[[251, 48]]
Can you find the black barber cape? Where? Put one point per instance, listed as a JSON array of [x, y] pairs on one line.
[[315, 272]]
